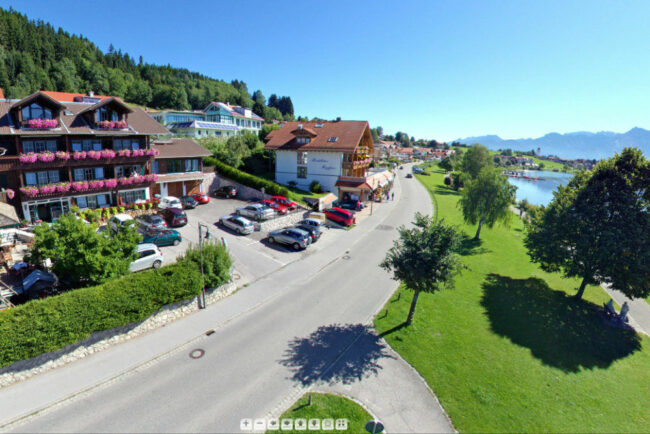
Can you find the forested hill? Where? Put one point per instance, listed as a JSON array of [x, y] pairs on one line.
[[36, 56]]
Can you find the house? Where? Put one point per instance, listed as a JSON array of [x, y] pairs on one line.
[[337, 154], [215, 120], [179, 166], [402, 154], [60, 150]]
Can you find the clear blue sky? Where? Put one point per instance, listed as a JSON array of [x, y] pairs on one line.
[[433, 69]]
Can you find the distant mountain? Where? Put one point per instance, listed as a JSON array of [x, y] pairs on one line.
[[580, 144]]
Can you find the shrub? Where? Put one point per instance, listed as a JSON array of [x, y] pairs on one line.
[[448, 181], [315, 187], [41, 326], [246, 178], [216, 262], [120, 209], [150, 205]]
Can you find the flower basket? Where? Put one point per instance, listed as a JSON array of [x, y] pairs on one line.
[[41, 124], [63, 187], [108, 154], [95, 155], [96, 184], [152, 152], [122, 125], [79, 155], [151, 178], [112, 125], [62, 155], [46, 189], [110, 183], [10, 193], [46, 157], [28, 158], [124, 153], [80, 186], [125, 181], [29, 191], [138, 153]]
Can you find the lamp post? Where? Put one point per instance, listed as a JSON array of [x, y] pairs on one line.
[[207, 235]]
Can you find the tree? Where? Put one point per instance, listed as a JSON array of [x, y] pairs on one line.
[[82, 256], [447, 164], [375, 135], [266, 129], [597, 227], [487, 199], [380, 131], [424, 257], [474, 160]]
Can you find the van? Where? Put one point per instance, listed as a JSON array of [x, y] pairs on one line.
[[168, 202]]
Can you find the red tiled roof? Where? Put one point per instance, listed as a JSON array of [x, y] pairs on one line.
[[348, 135], [2, 95]]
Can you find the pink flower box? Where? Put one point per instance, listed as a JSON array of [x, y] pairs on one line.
[[124, 153], [152, 152], [28, 158], [95, 155], [151, 178], [47, 189], [29, 191], [108, 154], [110, 183], [80, 186], [96, 184], [46, 157], [63, 187], [125, 181], [62, 155], [112, 125], [41, 123], [138, 153], [79, 155]]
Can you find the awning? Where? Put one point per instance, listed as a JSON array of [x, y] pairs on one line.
[[357, 185]]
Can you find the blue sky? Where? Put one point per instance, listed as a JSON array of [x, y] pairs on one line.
[[435, 69]]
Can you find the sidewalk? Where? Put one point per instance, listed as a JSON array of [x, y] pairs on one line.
[[639, 309]]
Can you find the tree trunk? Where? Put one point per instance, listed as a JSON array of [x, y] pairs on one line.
[[480, 223], [409, 320], [581, 290]]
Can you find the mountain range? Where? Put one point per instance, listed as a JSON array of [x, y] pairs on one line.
[[575, 145]]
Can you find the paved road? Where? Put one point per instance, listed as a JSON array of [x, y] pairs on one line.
[[272, 339]]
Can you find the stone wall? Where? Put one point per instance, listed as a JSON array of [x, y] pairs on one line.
[[281, 222], [243, 192], [99, 341]]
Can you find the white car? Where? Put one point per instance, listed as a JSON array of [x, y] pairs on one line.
[[170, 202], [118, 221], [149, 256], [256, 211]]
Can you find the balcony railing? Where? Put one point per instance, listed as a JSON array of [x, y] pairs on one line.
[[357, 164], [14, 162], [81, 187]]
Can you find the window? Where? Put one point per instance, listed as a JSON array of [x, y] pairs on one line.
[[35, 111], [106, 114], [303, 140], [332, 139], [121, 144], [126, 171], [87, 145], [42, 178], [302, 172], [302, 157], [188, 165], [195, 165], [39, 146], [81, 202], [154, 167], [132, 196], [174, 166]]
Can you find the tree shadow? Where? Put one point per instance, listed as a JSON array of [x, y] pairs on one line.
[[470, 246], [324, 356], [561, 331], [446, 191]]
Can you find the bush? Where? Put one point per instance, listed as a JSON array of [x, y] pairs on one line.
[[216, 262], [121, 209], [448, 181], [41, 326], [149, 205], [315, 187], [247, 179]]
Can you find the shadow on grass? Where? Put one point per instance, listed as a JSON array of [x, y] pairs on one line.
[[561, 331], [324, 356], [446, 191], [470, 246]]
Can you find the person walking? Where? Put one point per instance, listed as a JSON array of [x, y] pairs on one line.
[[392, 196]]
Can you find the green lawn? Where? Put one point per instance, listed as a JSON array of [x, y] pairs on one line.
[[327, 406], [508, 349]]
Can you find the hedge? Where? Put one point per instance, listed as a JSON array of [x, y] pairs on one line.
[[41, 326], [247, 179]]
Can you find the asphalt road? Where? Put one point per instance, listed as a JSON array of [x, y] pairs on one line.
[[281, 334]]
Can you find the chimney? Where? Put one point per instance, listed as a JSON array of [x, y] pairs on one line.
[[91, 93], [300, 126]]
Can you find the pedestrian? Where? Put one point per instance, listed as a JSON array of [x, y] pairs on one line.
[[392, 196]]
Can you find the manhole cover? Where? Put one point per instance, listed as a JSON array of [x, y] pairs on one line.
[[346, 257], [384, 228], [197, 353]]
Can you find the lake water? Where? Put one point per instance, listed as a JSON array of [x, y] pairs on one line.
[[539, 192]]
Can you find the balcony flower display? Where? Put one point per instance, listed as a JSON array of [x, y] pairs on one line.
[[62, 155], [29, 191], [46, 157], [41, 123], [95, 155], [138, 153], [152, 152], [96, 184], [124, 153], [10, 193], [108, 154], [80, 186], [112, 125], [63, 187], [28, 158], [47, 189], [79, 155], [151, 178], [125, 181], [110, 183]]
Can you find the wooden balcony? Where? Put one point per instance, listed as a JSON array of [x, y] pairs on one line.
[[357, 164], [72, 192], [12, 163]]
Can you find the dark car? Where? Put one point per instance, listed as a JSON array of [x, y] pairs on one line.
[[151, 222], [354, 205], [174, 217], [226, 191], [168, 237], [408, 175], [189, 202], [313, 231]]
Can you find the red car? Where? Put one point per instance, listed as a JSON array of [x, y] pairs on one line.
[[201, 197], [280, 209], [340, 216], [281, 200]]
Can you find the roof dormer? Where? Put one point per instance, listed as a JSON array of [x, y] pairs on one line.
[[38, 111], [110, 113]]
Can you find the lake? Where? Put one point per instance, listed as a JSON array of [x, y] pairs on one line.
[[539, 192]]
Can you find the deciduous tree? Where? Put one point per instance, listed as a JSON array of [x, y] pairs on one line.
[[475, 158]]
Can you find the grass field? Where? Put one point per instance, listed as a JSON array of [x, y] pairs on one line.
[[508, 349], [327, 406]]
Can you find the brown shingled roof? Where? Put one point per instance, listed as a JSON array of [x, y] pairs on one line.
[[348, 135], [179, 148]]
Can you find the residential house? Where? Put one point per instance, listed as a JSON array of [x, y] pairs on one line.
[[179, 166], [63, 149], [404, 155]]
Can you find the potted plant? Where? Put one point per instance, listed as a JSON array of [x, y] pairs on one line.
[[62, 155], [107, 154], [28, 158], [95, 155], [79, 155], [10, 193]]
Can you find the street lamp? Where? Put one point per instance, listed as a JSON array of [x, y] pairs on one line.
[[207, 235]]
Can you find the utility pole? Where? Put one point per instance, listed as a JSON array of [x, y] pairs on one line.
[[201, 226]]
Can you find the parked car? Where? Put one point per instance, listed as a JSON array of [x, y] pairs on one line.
[[401, 167], [340, 216], [226, 191], [174, 216], [118, 221], [149, 256], [280, 209], [202, 197], [313, 231], [170, 202], [310, 223], [354, 205], [294, 237], [256, 211], [189, 202], [151, 222], [281, 200], [408, 175], [239, 224], [167, 237]]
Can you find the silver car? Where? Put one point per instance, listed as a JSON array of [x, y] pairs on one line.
[[310, 223], [294, 237], [238, 224], [256, 211], [149, 256]]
